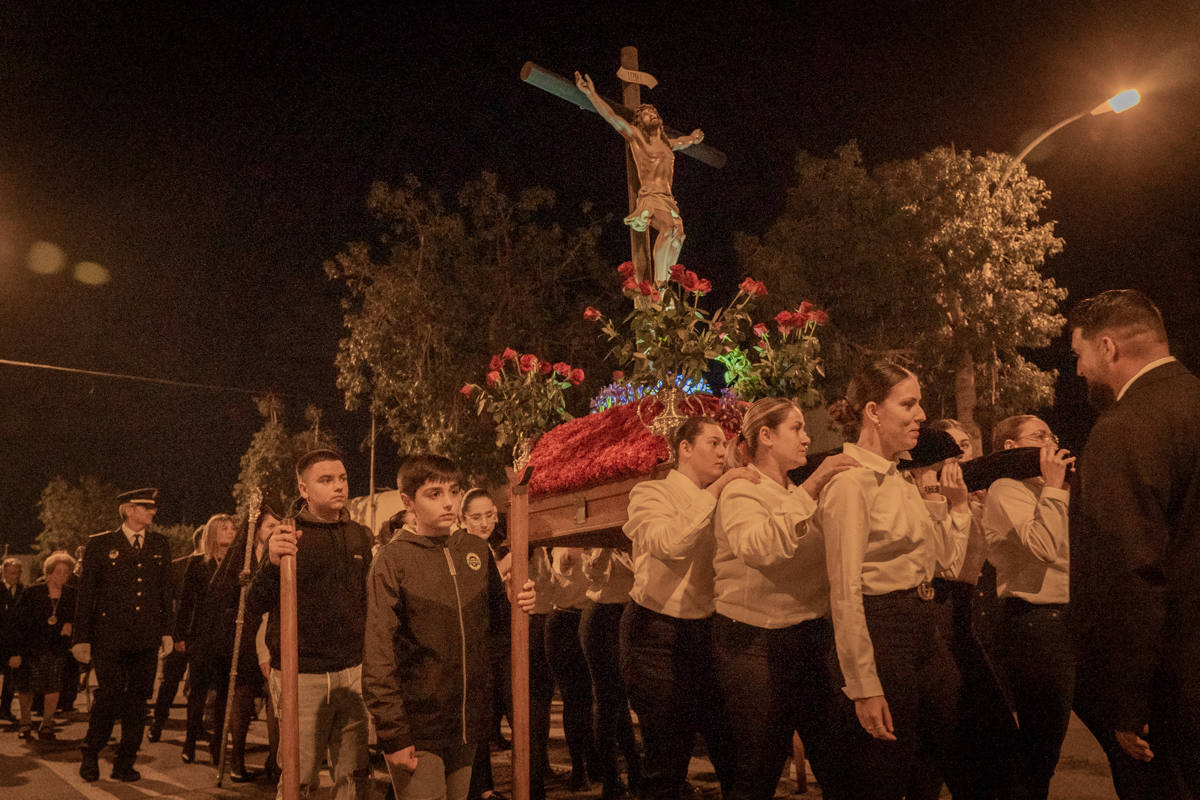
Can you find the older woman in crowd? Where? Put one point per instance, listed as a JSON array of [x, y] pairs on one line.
[[40, 625]]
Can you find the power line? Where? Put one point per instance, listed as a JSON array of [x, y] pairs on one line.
[[144, 379]]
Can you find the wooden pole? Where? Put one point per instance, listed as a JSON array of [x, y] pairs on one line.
[[244, 579], [518, 542], [289, 705]]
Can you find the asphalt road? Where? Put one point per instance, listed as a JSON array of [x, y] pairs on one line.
[[49, 771]]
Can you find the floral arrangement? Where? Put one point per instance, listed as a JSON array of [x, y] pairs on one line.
[[781, 365], [523, 394], [670, 336], [612, 445]]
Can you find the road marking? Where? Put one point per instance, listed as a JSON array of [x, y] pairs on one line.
[[68, 773]]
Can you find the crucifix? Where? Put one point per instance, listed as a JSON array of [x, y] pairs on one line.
[[649, 159]]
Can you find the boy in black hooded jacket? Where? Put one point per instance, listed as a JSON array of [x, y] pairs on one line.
[[425, 661]]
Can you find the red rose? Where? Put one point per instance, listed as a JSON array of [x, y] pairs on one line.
[[800, 318], [495, 363], [760, 330], [630, 285], [543, 367], [655, 296], [646, 288], [626, 269], [509, 354], [753, 288], [805, 307], [493, 378], [529, 362], [591, 314], [563, 368], [467, 389], [577, 376], [785, 322], [618, 375], [704, 286], [679, 272], [820, 316]]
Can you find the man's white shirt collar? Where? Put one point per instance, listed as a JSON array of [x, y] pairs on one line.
[[129, 534], [1143, 371]]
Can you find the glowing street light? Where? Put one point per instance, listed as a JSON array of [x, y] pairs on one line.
[[1117, 103]]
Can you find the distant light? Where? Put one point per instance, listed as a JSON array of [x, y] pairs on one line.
[[91, 273], [1119, 102], [46, 258]]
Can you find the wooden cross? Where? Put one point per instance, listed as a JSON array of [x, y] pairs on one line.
[[639, 242]]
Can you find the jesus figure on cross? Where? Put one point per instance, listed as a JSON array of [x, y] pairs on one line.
[[653, 154]]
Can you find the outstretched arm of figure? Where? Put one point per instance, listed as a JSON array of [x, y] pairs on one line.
[[585, 85], [680, 142]]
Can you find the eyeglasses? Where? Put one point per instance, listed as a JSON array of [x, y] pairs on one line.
[[489, 516], [1043, 437]]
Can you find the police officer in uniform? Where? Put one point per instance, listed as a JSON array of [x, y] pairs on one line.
[[121, 620]]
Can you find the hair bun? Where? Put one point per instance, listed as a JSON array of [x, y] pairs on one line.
[[841, 413]]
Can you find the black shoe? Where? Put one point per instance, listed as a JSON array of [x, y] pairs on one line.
[[89, 769], [46, 734], [26, 732], [126, 774], [242, 775], [189, 752], [155, 732]]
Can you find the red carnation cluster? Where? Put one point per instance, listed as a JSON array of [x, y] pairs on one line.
[[591, 314], [795, 320]]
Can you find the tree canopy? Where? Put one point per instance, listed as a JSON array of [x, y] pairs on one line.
[[443, 290], [71, 512], [925, 260], [269, 463]]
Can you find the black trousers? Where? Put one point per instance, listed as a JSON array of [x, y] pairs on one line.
[[981, 762], [125, 680], [599, 635], [775, 682], [921, 684], [173, 666], [1037, 658], [667, 664], [571, 673], [208, 673], [541, 694], [1174, 773], [6, 693]]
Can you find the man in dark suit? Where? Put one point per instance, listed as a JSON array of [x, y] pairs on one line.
[[121, 619], [1135, 549], [10, 591]]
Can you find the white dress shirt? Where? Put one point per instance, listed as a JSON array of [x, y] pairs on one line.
[[1026, 527], [670, 525], [129, 534], [880, 536], [610, 574], [770, 562], [570, 584]]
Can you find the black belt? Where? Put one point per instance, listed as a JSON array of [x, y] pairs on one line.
[[922, 591]]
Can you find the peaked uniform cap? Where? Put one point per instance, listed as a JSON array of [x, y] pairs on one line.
[[139, 497]]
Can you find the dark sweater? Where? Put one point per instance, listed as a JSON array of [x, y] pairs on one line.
[[331, 595]]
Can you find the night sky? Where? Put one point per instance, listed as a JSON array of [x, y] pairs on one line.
[[211, 162]]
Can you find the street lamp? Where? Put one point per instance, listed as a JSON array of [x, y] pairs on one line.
[[1117, 103]]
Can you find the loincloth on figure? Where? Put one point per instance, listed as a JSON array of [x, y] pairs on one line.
[[648, 203]]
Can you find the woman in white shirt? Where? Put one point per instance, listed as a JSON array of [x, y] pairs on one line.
[[884, 541], [1026, 527], [666, 631], [772, 640]]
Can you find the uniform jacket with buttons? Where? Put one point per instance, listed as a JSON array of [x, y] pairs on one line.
[[125, 596]]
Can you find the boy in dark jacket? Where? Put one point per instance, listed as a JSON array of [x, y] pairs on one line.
[[333, 556], [426, 673]]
